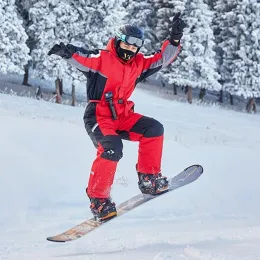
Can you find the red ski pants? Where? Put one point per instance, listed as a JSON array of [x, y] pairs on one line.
[[107, 135]]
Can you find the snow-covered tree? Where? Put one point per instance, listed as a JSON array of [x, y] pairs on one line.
[[225, 31], [210, 3], [196, 66], [23, 7], [164, 14], [237, 35], [13, 49], [52, 22], [98, 21], [143, 14], [246, 62], [166, 10], [85, 23]]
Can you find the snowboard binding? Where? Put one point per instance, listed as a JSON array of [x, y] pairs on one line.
[[103, 209], [153, 184]]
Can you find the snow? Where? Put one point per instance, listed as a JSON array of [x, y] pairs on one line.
[[45, 161]]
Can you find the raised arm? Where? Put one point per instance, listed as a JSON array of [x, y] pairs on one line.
[[162, 58], [167, 53], [82, 59]]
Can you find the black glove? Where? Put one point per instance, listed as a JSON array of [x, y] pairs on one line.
[[177, 28], [62, 50]]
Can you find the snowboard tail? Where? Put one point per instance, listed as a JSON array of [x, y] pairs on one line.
[[185, 177]]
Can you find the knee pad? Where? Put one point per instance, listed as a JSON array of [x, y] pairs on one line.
[[154, 128], [148, 127], [112, 155], [113, 148]]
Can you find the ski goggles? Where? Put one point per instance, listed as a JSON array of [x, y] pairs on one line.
[[132, 40]]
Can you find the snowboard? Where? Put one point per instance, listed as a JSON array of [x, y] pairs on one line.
[[185, 177]]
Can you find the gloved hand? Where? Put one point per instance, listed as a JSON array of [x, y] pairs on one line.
[[62, 50], [177, 28]]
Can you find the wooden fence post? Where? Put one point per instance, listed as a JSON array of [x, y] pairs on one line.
[[251, 105], [73, 95], [189, 94], [58, 94]]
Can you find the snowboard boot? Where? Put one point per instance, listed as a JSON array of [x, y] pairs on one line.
[[153, 184], [102, 209]]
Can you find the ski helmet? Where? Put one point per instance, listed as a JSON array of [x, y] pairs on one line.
[[130, 34]]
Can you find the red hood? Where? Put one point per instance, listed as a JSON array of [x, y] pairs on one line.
[[111, 47]]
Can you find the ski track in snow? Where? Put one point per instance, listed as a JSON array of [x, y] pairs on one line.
[[215, 218]]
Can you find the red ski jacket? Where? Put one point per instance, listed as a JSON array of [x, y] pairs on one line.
[[106, 72]]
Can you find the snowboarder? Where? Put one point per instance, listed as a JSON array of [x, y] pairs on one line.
[[112, 75]]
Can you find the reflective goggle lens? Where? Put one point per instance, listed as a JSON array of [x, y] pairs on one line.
[[132, 40]]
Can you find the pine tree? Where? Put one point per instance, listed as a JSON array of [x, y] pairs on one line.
[[52, 22], [143, 14], [85, 23], [225, 31], [237, 34], [104, 17], [13, 49], [196, 66], [246, 63], [210, 3], [23, 7], [166, 10]]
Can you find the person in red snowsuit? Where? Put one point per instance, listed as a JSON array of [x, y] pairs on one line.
[[109, 118]]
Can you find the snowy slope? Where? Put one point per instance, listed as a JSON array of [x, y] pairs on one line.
[[45, 157]]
